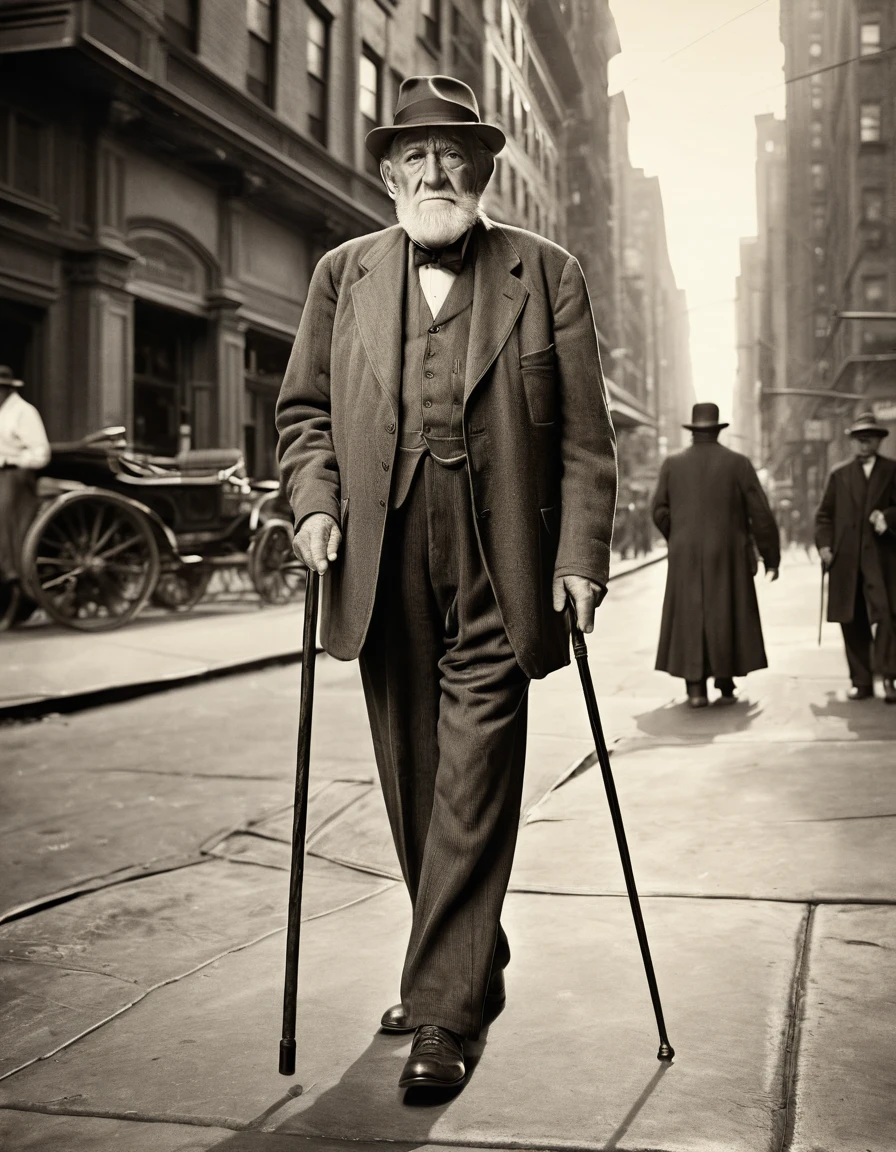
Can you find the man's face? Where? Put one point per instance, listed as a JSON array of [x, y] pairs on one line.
[[436, 179], [867, 444]]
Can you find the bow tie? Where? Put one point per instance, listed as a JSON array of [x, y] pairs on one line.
[[451, 258]]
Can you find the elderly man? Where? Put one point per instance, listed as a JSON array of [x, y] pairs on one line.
[[450, 460], [711, 508], [23, 449], [855, 532]]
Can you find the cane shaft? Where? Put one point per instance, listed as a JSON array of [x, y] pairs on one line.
[[821, 606], [666, 1052], [299, 824]]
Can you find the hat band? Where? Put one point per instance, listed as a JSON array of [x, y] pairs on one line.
[[421, 112]]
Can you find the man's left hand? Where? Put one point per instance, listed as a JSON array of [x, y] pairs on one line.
[[878, 522], [585, 594]]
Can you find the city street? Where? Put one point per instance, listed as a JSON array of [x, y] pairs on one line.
[[145, 851]]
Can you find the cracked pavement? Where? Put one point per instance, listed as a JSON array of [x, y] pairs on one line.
[[145, 852]]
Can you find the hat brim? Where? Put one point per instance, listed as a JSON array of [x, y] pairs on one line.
[[378, 139], [880, 433], [12, 383], [704, 427]]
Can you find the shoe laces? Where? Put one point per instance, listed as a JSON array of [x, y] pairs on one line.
[[430, 1036]]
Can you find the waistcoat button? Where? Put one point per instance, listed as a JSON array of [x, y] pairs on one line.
[[390, 427], [434, 329]]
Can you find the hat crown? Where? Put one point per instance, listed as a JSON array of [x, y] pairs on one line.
[[421, 96], [7, 377], [866, 422]]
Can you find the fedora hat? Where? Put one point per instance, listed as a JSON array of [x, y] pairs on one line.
[[704, 416], [865, 422], [7, 379], [434, 102]]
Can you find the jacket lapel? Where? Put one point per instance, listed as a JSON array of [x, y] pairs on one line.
[[498, 299], [378, 299], [857, 484], [877, 483]]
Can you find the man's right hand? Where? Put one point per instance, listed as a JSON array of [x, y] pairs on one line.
[[827, 557], [317, 541]]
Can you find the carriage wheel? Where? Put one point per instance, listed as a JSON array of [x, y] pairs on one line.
[[276, 574], [181, 589], [91, 561]]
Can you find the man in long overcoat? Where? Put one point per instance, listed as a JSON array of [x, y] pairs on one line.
[[450, 460], [855, 532], [711, 508]]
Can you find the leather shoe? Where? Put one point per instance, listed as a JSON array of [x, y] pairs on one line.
[[889, 691], [436, 1059], [697, 697], [860, 692], [395, 1019]]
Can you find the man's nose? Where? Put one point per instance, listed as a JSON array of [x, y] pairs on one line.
[[433, 173]]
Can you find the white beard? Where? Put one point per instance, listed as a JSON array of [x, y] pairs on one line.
[[435, 223]]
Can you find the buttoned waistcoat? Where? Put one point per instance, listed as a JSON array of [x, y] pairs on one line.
[[539, 440]]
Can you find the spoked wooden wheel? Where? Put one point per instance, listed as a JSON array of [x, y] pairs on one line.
[[91, 560], [276, 574], [181, 589]]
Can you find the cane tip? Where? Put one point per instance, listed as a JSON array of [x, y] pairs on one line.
[[666, 1051], [287, 1057]]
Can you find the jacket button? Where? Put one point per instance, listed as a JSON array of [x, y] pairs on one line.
[[390, 427], [385, 465], [434, 329], [429, 375], [427, 403], [382, 503], [427, 429]]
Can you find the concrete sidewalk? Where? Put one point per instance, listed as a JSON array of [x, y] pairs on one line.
[[144, 1014], [45, 667]]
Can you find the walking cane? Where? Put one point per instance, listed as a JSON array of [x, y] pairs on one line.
[[666, 1051], [299, 822], [821, 605]]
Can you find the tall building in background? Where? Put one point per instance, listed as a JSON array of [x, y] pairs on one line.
[[761, 297], [171, 170], [840, 243]]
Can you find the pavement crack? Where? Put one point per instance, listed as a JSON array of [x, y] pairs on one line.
[[98, 883], [790, 1055]]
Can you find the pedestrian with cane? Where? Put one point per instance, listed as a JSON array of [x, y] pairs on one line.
[[855, 532], [450, 460]]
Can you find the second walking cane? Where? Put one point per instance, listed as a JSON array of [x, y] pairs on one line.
[[666, 1051], [299, 822]]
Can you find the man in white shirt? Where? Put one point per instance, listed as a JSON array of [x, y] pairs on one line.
[[23, 449]]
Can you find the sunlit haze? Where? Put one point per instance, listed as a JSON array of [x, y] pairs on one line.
[[692, 125]]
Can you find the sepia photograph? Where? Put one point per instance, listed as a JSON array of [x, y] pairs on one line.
[[447, 575]]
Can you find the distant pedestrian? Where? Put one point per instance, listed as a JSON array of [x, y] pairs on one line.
[[23, 448], [855, 531], [711, 508]]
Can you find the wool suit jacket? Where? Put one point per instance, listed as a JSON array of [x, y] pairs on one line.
[[841, 524], [540, 444]]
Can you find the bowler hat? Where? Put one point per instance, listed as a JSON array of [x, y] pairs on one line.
[[434, 102], [704, 416], [7, 378], [865, 422]]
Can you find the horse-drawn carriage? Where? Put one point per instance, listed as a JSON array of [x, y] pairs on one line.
[[117, 529]]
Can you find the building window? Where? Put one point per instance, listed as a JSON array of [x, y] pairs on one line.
[[816, 9], [874, 291], [518, 44], [318, 50], [872, 205], [815, 48], [431, 12], [816, 134], [819, 219], [869, 37], [498, 95], [466, 48], [370, 100], [512, 196], [817, 96], [819, 177], [25, 164], [182, 23], [869, 123], [821, 325], [516, 119], [260, 18]]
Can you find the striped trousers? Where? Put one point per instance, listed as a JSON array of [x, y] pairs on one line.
[[447, 706]]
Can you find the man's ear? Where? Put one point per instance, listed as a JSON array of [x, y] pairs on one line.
[[386, 174]]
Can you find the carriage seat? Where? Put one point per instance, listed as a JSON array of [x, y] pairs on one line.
[[207, 461]]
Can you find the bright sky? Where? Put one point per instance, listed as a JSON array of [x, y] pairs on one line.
[[692, 124]]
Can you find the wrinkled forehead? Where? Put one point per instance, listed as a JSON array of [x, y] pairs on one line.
[[435, 140]]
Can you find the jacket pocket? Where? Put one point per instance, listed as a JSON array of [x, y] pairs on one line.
[[540, 385]]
